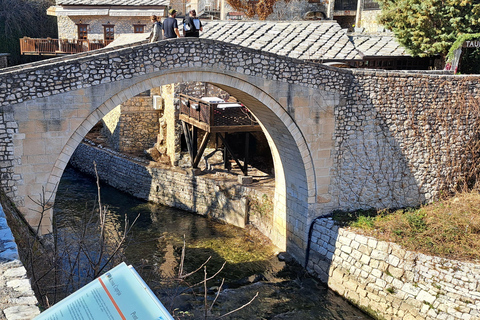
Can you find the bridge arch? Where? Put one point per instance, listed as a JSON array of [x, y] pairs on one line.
[[293, 100], [292, 159]]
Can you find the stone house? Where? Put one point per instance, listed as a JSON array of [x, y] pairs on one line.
[[105, 20]]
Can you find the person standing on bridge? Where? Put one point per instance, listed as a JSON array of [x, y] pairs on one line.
[[192, 25], [156, 29], [170, 26]]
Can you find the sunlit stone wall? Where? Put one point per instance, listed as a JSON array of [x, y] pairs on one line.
[[390, 282]]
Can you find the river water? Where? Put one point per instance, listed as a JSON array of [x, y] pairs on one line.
[[154, 247]]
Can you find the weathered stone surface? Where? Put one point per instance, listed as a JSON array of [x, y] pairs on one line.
[[400, 284], [17, 299], [223, 199]]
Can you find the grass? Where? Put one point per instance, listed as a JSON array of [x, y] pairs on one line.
[[448, 228]]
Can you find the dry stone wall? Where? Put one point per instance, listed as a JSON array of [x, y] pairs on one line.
[[403, 139], [390, 282]]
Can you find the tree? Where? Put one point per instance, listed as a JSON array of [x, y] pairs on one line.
[[19, 18], [261, 8], [275, 9], [429, 27]]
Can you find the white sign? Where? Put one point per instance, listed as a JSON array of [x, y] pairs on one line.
[[472, 44]]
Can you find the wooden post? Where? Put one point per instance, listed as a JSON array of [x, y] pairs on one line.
[[247, 153]]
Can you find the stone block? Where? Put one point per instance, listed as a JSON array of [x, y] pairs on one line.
[[245, 180]]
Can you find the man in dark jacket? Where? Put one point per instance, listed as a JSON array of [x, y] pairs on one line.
[[170, 26], [192, 25]]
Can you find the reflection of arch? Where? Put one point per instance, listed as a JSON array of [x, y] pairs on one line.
[[292, 159]]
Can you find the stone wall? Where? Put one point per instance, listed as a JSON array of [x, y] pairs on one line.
[[369, 21], [395, 148], [133, 126], [389, 282], [17, 299], [8, 129], [221, 198]]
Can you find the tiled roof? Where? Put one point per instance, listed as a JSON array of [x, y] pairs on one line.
[[301, 40], [378, 45], [112, 2]]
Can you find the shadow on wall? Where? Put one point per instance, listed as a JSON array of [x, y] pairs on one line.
[[174, 188], [419, 142]]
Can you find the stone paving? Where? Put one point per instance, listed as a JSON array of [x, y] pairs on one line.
[[17, 299]]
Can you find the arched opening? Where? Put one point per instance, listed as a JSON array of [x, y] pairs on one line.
[[290, 155]]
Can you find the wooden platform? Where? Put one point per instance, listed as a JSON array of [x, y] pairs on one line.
[[219, 119]]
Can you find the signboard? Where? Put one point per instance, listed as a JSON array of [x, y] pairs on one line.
[[119, 294], [471, 44]]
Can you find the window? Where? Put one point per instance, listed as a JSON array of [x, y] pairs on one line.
[[138, 28], [82, 31], [108, 33], [345, 5], [371, 4]]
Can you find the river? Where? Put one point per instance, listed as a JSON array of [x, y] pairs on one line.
[[154, 247]]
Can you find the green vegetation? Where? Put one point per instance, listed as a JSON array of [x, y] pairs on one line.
[[20, 18], [429, 27], [449, 228], [262, 207], [470, 56]]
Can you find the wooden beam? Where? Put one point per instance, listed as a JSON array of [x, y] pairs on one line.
[[231, 129], [203, 145], [188, 139], [247, 153], [201, 125]]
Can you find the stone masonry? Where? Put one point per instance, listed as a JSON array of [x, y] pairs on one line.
[[218, 197], [392, 283], [340, 139], [132, 127], [17, 299]]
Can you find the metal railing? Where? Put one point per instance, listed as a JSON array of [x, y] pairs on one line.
[[48, 46]]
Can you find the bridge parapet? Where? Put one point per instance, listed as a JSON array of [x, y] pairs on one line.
[[106, 66]]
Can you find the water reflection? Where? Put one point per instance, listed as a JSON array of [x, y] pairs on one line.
[[155, 244]]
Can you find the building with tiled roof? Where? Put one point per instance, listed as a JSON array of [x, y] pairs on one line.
[[136, 3], [104, 20]]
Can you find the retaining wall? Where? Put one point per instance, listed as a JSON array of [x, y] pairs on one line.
[[221, 198], [393, 283]]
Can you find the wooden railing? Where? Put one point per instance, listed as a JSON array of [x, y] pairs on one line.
[[213, 117], [48, 46]]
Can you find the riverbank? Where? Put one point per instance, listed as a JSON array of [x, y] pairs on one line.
[[218, 195]]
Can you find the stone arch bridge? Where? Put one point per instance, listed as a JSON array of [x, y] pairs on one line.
[[340, 139]]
